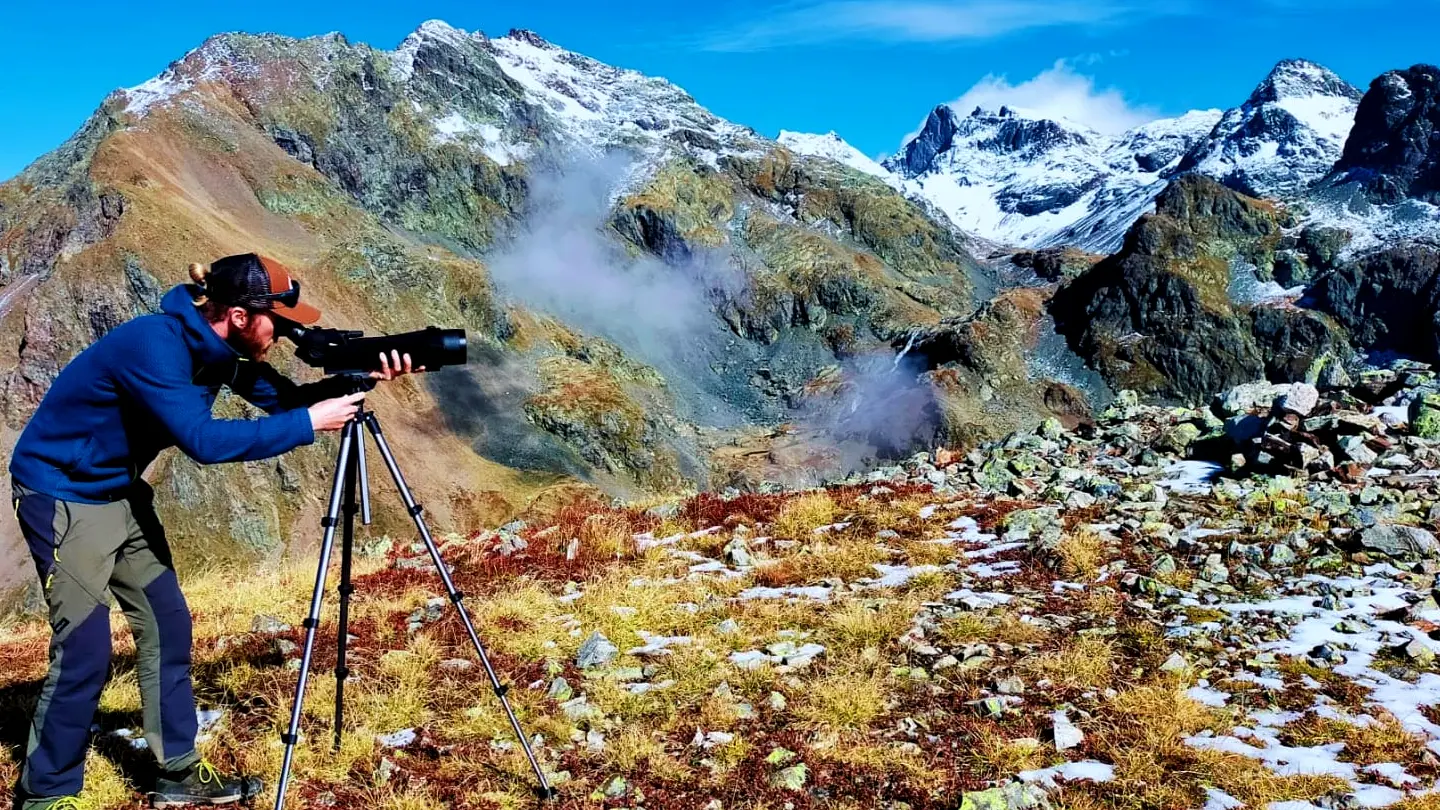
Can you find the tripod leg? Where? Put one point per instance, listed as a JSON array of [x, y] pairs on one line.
[[371, 422], [312, 622], [347, 541]]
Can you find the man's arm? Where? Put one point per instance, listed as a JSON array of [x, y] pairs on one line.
[[273, 392], [159, 379]]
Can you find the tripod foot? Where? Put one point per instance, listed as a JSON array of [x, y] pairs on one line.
[[547, 793]]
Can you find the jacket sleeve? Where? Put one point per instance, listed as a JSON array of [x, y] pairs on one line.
[[267, 389], [158, 378]]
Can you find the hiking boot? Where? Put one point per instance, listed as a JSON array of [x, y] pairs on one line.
[[202, 784], [53, 803]]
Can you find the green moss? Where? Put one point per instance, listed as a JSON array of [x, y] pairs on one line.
[[697, 200], [306, 197]]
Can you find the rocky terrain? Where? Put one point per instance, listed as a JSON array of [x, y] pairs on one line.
[[1087, 617], [1030, 467], [536, 197]]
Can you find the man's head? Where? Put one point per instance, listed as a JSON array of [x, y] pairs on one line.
[[246, 297]]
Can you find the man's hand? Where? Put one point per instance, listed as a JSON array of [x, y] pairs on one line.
[[390, 370], [332, 414]]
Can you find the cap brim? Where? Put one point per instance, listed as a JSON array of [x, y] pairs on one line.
[[302, 313]]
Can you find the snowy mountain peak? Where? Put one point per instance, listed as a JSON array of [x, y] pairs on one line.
[[441, 31], [1287, 135], [832, 147], [1299, 78], [936, 135], [946, 136]]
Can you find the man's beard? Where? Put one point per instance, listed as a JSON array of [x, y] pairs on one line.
[[249, 344]]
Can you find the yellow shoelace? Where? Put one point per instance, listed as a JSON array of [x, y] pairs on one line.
[[68, 803], [207, 772]]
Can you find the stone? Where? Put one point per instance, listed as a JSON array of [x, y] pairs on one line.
[[1010, 686], [597, 651], [1012, 796], [1281, 554], [1176, 663], [737, 553], [1399, 541], [1301, 399], [560, 690], [269, 625], [386, 771], [792, 778], [780, 756], [1425, 417], [1250, 396], [1353, 448], [1178, 439], [612, 788]]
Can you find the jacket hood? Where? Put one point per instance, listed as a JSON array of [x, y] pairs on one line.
[[179, 303]]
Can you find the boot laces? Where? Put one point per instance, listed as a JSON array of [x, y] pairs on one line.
[[207, 772]]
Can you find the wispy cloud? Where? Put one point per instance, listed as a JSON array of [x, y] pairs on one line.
[[1058, 93], [924, 21]]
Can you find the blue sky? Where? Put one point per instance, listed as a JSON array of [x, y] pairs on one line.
[[868, 70]]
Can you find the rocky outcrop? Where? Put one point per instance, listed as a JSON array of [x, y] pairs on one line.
[[1158, 317], [1055, 264], [983, 370], [1388, 300], [1393, 152]]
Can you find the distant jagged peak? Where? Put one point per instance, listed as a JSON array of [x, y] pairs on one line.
[[441, 31], [529, 37], [1301, 78]]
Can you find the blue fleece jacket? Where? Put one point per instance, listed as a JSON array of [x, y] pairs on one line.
[[147, 385]]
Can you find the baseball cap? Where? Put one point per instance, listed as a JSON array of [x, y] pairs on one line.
[[255, 282], [284, 294]]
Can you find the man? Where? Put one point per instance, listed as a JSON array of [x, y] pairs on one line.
[[88, 518]]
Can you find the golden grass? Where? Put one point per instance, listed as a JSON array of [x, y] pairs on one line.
[[1142, 732], [800, 517], [860, 751], [843, 700], [1080, 553], [1083, 662], [994, 756], [105, 786], [844, 559], [1386, 740], [1426, 802], [1006, 628], [857, 624], [608, 534]]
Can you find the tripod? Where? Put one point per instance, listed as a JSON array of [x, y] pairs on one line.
[[350, 477]]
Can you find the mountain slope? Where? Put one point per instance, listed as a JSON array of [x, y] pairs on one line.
[[646, 286]]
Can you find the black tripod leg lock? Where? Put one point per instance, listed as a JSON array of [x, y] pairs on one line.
[[346, 589], [416, 509], [310, 624], [457, 596], [343, 673], [327, 521], [289, 739]]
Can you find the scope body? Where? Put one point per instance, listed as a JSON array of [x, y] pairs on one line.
[[348, 351]]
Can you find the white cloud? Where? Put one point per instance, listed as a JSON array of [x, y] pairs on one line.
[[925, 21], [1057, 93]]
